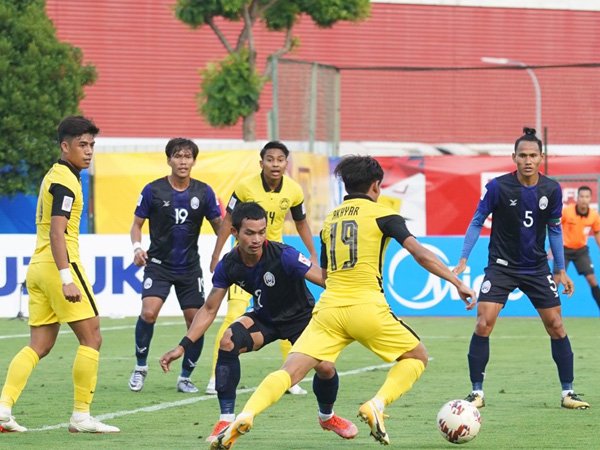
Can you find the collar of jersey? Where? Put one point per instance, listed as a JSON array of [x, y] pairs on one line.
[[266, 186], [71, 168], [363, 196]]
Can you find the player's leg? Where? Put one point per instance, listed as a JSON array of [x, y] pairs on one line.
[[325, 387], [144, 330], [190, 294], [85, 377], [269, 391], [379, 330], [236, 306], [285, 347], [584, 266], [42, 339], [543, 294], [244, 335]]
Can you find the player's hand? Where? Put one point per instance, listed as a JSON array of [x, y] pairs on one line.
[[140, 257], [565, 280], [460, 267], [170, 356], [71, 292], [467, 295]]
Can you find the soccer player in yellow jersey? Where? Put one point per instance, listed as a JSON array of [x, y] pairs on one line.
[[353, 306], [577, 220], [277, 194], [59, 291]]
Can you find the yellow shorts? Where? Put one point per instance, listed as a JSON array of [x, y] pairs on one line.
[[48, 305], [374, 326]]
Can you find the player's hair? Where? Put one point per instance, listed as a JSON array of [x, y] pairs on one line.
[[74, 126], [529, 135], [583, 188], [247, 210], [177, 144], [274, 144], [358, 173]]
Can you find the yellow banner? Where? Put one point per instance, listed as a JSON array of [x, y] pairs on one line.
[[120, 177]]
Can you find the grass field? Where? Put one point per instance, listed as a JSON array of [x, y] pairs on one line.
[[522, 392]]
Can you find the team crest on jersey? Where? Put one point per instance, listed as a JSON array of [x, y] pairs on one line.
[[284, 204], [147, 283], [195, 202], [543, 202], [486, 286], [304, 260], [269, 279]]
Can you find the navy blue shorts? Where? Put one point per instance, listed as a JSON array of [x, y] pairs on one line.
[[539, 287], [290, 330], [189, 286]]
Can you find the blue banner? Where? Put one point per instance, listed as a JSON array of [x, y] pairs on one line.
[[412, 291]]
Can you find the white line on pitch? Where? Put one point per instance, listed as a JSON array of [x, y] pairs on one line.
[[189, 401]]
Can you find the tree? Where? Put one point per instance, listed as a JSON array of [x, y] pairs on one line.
[[41, 81], [231, 88]]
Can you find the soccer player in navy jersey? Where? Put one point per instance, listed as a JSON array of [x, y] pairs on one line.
[[175, 207], [525, 205], [353, 307], [274, 274]]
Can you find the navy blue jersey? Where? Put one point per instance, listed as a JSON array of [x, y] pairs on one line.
[[175, 219], [276, 283], [520, 217]]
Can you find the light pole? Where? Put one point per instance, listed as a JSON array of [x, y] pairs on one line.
[[536, 86]]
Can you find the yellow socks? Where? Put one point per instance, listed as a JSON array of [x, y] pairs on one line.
[[285, 347], [19, 370], [400, 379], [85, 376], [268, 392]]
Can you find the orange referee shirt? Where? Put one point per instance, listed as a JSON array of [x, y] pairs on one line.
[[576, 228]]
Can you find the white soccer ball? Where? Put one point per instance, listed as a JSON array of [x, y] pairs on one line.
[[459, 421]]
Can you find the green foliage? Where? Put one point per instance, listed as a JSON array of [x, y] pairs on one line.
[[217, 102], [230, 90], [41, 81]]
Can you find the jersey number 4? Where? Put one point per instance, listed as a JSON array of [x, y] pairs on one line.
[[349, 239]]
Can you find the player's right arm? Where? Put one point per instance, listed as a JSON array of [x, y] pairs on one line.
[[140, 256], [204, 317]]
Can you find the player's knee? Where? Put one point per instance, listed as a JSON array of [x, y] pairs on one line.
[[325, 370], [149, 316], [237, 339]]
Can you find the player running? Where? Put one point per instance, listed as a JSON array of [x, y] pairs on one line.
[[274, 274], [353, 306]]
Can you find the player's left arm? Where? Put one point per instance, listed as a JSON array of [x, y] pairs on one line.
[[62, 203], [556, 246]]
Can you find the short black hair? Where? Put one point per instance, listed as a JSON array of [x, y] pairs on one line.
[[583, 188], [528, 135], [73, 126], [177, 144], [274, 144], [358, 173], [247, 210]]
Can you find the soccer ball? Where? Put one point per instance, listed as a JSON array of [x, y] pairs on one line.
[[459, 421]]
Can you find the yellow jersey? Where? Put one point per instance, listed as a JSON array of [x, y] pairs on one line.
[[60, 195], [288, 196], [354, 239]]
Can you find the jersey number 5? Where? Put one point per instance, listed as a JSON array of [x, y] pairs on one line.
[[349, 238]]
